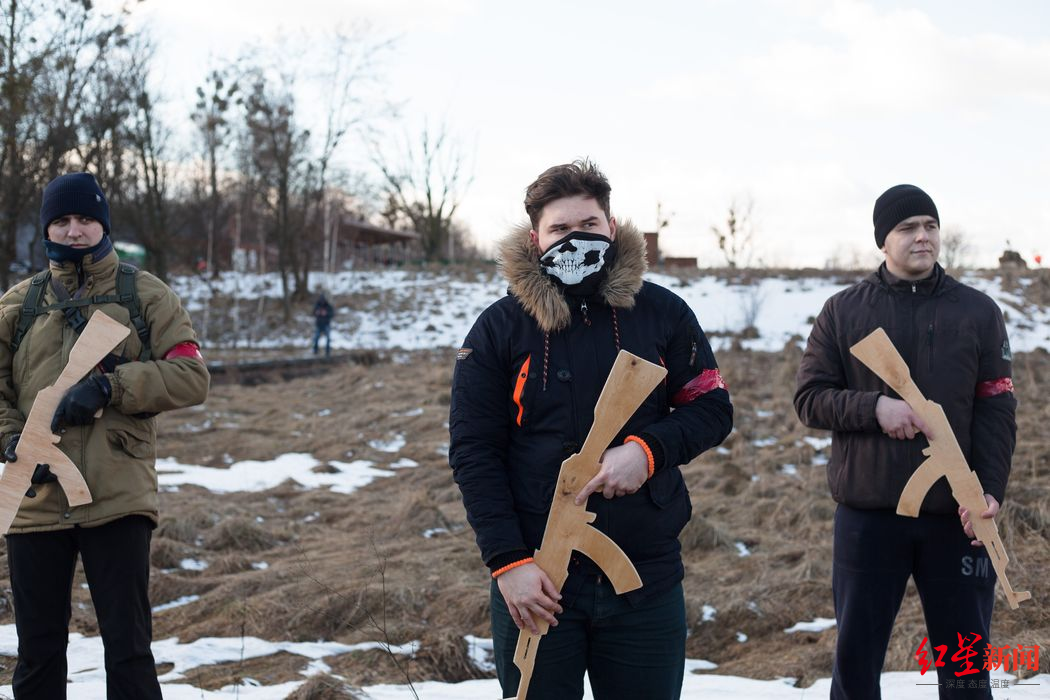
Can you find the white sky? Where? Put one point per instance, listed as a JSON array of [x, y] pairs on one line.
[[811, 107]]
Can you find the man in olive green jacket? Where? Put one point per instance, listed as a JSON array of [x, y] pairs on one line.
[[116, 452]]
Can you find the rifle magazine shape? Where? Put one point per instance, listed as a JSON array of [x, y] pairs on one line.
[[38, 444], [944, 456], [568, 525]]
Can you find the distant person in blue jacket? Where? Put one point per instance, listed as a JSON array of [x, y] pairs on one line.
[[323, 324], [523, 394]]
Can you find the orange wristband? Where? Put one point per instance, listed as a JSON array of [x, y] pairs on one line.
[[508, 567], [648, 452]]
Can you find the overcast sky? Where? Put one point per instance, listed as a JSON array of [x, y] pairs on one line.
[[809, 107]]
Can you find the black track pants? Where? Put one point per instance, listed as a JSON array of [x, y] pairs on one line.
[[875, 553], [116, 563]]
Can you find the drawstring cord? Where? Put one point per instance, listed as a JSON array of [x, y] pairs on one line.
[[547, 339]]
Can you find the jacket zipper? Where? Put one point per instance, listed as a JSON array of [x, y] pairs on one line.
[[929, 346], [583, 308]]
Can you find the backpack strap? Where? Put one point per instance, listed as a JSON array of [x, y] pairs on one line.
[[129, 299], [32, 306]]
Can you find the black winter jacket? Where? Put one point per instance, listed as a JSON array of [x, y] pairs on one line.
[[523, 393], [954, 341]]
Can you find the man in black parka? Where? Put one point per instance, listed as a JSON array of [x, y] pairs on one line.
[[525, 385], [954, 341]]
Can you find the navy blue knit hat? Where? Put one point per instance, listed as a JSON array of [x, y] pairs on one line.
[[74, 193], [897, 204]]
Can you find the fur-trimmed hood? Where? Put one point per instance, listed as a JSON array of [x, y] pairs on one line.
[[519, 263]]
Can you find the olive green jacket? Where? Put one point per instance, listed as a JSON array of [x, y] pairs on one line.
[[117, 453]]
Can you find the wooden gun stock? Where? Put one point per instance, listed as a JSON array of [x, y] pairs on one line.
[[945, 457], [37, 445], [568, 525]]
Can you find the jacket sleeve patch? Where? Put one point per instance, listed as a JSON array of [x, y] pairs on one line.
[[463, 353], [994, 387], [1007, 353], [708, 380]]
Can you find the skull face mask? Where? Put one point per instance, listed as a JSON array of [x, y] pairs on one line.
[[579, 262]]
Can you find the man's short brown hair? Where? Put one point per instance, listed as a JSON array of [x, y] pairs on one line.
[[568, 180]]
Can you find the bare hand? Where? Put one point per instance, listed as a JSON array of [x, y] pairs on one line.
[[624, 470], [898, 420], [964, 516], [530, 595]]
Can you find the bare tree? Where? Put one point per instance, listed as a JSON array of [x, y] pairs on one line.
[[736, 237], [425, 183], [211, 115], [955, 249], [49, 54], [279, 149], [353, 60]]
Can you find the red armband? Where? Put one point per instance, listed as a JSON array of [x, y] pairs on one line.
[[708, 380], [184, 350], [994, 387]]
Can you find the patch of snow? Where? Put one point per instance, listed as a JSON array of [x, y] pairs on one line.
[[818, 624], [817, 443], [259, 476], [178, 602], [742, 550], [394, 444]]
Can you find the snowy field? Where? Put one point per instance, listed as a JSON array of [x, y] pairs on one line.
[[410, 310], [87, 677], [434, 310]]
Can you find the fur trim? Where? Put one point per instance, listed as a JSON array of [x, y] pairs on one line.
[[519, 263]]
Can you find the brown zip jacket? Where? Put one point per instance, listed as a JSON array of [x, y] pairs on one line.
[[116, 454], [954, 340]]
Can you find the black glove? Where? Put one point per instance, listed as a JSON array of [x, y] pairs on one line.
[[41, 474], [82, 402]]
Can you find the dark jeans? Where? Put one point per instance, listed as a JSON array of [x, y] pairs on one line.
[[875, 553], [326, 331], [116, 563], [628, 652]]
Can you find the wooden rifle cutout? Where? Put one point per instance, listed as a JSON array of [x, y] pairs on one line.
[[568, 525], [944, 456], [37, 444]]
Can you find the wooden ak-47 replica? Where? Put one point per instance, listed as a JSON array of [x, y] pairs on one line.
[[37, 443], [944, 456], [568, 524]]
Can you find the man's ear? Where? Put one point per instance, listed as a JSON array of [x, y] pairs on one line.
[[535, 237], [612, 228]]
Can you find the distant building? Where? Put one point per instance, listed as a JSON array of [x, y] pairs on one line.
[[652, 248], [1012, 260], [654, 259]]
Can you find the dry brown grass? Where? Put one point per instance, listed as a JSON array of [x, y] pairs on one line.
[[363, 571]]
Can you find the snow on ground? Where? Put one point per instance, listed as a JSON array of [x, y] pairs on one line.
[[432, 310], [87, 677], [817, 624], [252, 475]]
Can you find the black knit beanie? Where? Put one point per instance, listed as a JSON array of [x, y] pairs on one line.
[[897, 204], [74, 193]]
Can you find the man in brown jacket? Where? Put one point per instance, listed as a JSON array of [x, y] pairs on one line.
[[157, 368], [954, 341]]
